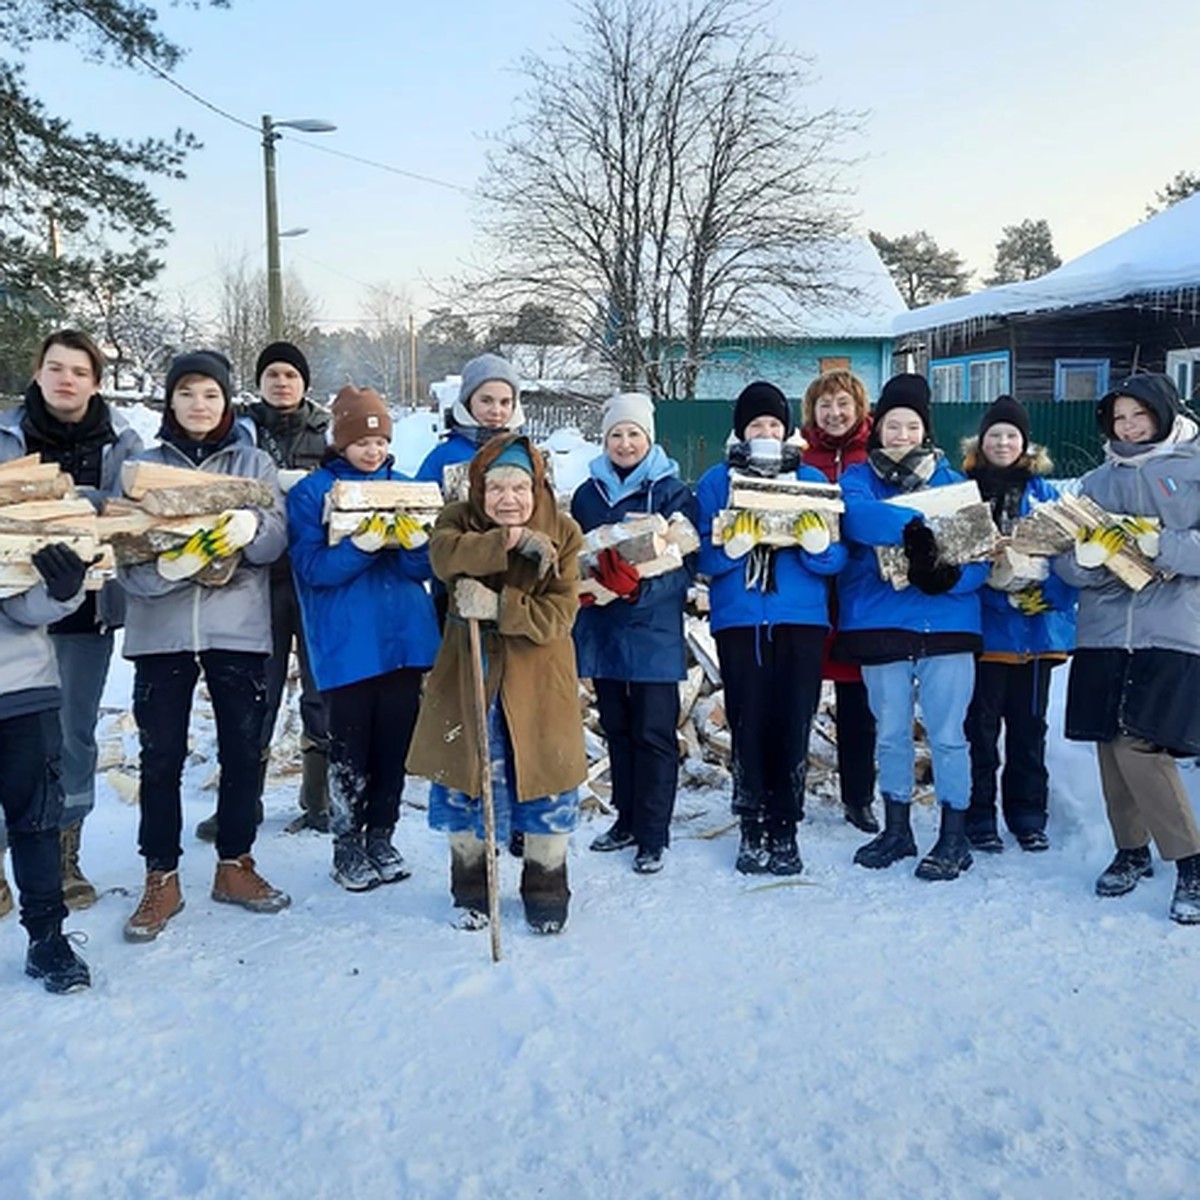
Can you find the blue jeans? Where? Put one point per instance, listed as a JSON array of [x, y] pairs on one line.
[[944, 684], [83, 660]]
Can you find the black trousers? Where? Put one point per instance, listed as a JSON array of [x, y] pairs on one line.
[[639, 722], [163, 686], [772, 677], [1015, 695], [32, 797], [855, 744], [286, 629], [370, 727]]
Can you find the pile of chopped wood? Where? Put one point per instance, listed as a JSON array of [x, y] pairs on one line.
[[349, 502]]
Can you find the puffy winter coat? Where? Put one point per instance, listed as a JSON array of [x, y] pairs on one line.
[[800, 596], [166, 617], [296, 438], [867, 601], [363, 614], [29, 680], [530, 659], [642, 641], [455, 448], [110, 604]]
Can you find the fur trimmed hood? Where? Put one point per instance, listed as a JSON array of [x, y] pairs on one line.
[[1036, 460]]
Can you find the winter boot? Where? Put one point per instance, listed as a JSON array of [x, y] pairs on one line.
[[983, 834], [1122, 874], [77, 890], [783, 853], [6, 898], [353, 867], [1185, 904], [894, 843], [385, 858], [648, 862], [616, 837], [1033, 840], [544, 882], [237, 882], [753, 858], [52, 959], [468, 880], [161, 900], [951, 853], [861, 816], [314, 789]]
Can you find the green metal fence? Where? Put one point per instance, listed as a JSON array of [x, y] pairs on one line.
[[693, 432]]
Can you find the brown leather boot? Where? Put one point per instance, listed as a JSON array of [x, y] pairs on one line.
[[161, 900], [78, 891], [6, 900], [237, 882]]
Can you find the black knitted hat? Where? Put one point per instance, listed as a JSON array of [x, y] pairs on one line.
[[761, 399], [1006, 410], [283, 352]]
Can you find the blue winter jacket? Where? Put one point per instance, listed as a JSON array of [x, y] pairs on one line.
[[642, 641], [866, 600], [1006, 630], [363, 614], [454, 449], [801, 595]]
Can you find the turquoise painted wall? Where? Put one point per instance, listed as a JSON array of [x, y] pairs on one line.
[[791, 366]]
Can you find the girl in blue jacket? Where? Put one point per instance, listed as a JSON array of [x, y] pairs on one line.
[[633, 648], [770, 612], [921, 639], [371, 633], [1025, 635]]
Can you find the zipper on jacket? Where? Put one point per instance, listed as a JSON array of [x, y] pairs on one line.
[[196, 588]]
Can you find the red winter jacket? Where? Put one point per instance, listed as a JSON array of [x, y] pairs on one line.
[[831, 456]]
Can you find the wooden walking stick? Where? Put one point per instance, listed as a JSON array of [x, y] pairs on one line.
[[485, 784]]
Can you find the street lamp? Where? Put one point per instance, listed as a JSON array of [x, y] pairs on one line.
[[274, 273]]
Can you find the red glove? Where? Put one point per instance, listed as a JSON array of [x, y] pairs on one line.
[[587, 599], [614, 573]]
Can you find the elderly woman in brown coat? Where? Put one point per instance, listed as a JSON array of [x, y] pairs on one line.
[[509, 559]]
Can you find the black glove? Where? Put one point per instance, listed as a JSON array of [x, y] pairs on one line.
[[935, 580], [61, 568], [920, 548]]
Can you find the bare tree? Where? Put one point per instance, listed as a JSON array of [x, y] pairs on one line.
[[386, 312], [661, 186]]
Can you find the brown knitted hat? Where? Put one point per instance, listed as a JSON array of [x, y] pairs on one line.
[[359, 413]]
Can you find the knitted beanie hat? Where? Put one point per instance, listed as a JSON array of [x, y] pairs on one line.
[[1006, 410], [359, 413], [628, 406], [283, 352], [212, 364], [761, 399]]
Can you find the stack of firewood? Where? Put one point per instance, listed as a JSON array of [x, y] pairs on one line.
[[349, 502], [649, 542], [776, 503]]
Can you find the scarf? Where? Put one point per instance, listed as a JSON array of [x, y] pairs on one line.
[[906, 469], [78, 448], [738, 455], [198, 450]]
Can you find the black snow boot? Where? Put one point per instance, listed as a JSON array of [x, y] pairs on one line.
[[894, 843], [754, 858], [52, 959], [951, 853], [861, 816], [1122, 874], [783, 852], [984, 836], [468, 880], [1185, 904], [546, 895]]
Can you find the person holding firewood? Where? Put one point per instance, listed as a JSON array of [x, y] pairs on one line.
[[770, 615], [633, 647], [203, 606], [510, 561], [1136, 671], [920, 640], [371, 635], [64, 419]]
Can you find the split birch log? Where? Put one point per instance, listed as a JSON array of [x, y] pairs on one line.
[[181, 492], [650, 542], [783, 494], [17, 572], [778, 528], [961, 523], [704, 648], [349, 501], [1013, 571], [28, 478], [71, 514]]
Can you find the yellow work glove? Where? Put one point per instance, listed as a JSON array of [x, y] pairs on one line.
[[811, 532], [231, 531], [408, 531], [743, 535], [372, 532], [1031, 601], [1094, 547], [1144, 531]]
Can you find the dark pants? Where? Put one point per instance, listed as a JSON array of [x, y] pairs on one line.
[[1017, 695], [31, 794], [163, 685], [370, 727], [772, 678], [639, 722], [855, 744], [286, 629]]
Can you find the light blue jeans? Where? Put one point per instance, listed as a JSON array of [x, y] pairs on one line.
[[944, 684]]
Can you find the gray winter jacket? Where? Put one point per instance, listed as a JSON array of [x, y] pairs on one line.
[[28, 668], [1165, 614], [166, 617], [110, 604]]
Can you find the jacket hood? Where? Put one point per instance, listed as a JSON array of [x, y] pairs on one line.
[[1036, 460], [655, 466], [543, 498], [1156, 392]]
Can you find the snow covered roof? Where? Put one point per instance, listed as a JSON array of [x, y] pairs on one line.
[[867, 309], [1161, 254]]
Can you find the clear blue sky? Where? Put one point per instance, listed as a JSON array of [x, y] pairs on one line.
[[978, 115]]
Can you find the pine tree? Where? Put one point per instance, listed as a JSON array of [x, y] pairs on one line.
[[923, 271], [1024, 251]]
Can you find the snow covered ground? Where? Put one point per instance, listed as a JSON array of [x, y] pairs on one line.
[[694, 1034]]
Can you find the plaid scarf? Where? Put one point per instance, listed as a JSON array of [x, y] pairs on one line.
[[907, 470]]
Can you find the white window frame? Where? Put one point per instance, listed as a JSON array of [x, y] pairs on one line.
[[1183, 366]]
